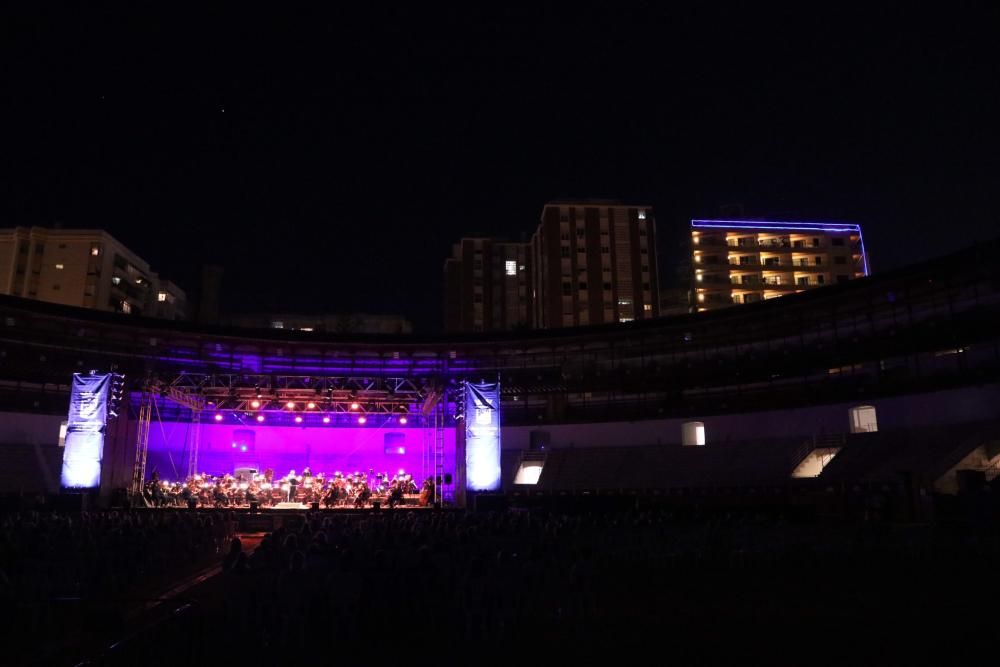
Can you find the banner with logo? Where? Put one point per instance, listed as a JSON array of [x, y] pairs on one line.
[[88, 413], [482, 436]]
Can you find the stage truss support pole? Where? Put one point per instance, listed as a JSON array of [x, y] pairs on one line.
[[142, 442], [439, 452], [195, 443]]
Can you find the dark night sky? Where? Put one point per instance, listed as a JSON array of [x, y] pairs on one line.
[[329, 161]]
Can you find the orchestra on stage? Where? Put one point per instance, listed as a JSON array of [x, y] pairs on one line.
[[247, 488]]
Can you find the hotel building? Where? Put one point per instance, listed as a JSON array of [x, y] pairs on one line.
[[743, 261]]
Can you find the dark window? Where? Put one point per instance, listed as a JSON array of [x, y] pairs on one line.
[[579, 231], [799, 244], [645, 286], [605, 250], [837, 241], [840, 259], [643, 251], [802, 281], [583, 285], [607, 286], [55, 287], [564, 251], [820, 279], [815, 243], [842, 278], [567, 289], [818, 260], [746, 260], [477, 298]]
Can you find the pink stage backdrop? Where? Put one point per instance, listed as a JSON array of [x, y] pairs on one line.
[[323, 449]]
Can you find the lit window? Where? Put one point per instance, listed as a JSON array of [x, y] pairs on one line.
[[642, 214], [511, 267], [95, 251], [520, 267], [116, 280], [60, 267], [126, 307], [647, 307], [162, 296], [624, 319], [277, 324], [306, 329]]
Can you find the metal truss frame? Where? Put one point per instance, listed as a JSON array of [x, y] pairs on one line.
[[271, 393]]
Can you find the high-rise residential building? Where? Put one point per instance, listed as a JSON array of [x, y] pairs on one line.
[[588, 262], [595, 263], [743, 261], [488, 286], [85, 268]]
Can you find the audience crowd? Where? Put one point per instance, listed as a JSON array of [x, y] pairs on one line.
[[342, 586]]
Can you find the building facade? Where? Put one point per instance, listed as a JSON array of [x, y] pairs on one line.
[[488, 286], [743, 261], [595, 264], [84, 268], [588, 262]]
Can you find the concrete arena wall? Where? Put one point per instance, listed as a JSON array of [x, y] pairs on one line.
[[955, 406]]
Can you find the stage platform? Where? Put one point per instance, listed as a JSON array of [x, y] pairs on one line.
[[267, 519]]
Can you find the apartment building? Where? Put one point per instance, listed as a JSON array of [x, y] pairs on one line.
[[743, 261], [85, 268]]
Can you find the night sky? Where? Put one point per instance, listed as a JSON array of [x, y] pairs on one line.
[[329, 161]]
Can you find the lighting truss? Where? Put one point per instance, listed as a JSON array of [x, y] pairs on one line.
[[272, 393]]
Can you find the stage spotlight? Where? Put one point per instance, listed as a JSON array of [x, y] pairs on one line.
[[290, 405], [310, 405], [362, 419], [355, 406], [326, 420], [218, 417], [243, 448], [260, 418], [298, 420], [255, 404], [402, 420]]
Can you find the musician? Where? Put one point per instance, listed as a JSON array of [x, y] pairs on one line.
[[293, 485], [219, 496], [364, 494], [330, 499], [396, 493]]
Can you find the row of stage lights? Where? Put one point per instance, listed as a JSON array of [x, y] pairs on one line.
[[326, 419]]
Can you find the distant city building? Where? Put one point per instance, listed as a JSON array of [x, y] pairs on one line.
[[743, 261], [595, 263], [86, 268], [488, 286], [588, 262], [345, 323]]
